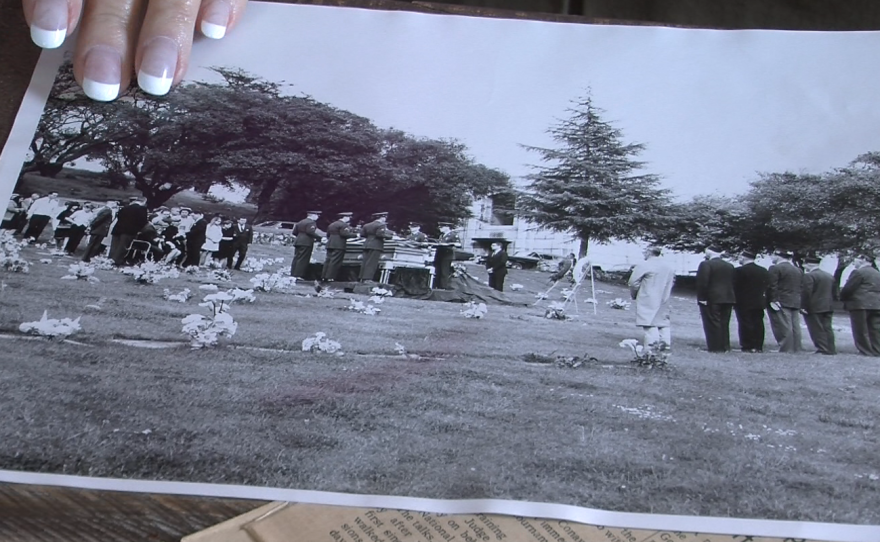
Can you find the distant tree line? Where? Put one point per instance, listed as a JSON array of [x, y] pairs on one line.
[[590, 184], [293, 153]]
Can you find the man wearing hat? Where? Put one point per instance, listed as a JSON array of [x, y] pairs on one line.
[[374, 233], [338, 234], [130, 220], [716, 298], [445, 255], [750, 283], [306, 231], [784, 299], [416, 236], [861, 297], [817, 300]]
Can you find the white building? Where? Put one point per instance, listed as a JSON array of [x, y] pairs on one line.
[[494, 220]]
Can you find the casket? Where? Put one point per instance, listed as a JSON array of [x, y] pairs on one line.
[[396, 254]]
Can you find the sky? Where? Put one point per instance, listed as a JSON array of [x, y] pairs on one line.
[[712, 107]]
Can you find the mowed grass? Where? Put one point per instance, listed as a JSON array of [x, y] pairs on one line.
[[766, 436]]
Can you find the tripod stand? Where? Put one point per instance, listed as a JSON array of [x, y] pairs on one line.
[[579, 274]]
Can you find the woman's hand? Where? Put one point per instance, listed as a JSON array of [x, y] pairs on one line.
[[119, 38]]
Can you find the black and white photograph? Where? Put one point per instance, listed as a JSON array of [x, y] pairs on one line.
[[625, 268]]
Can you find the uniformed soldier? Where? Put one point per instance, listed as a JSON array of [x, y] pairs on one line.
[[338, 234], [374, 234], [445, 255], [307, 232], [416, 236]]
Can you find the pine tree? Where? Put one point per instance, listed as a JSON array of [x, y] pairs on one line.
[[591, 185]]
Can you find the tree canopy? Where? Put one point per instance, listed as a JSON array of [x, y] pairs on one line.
[[591, 183], [291, 151]]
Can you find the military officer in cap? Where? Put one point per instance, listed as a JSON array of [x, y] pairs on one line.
[[307, 232], [445, 255], [416, 236], [338, 234], [817, 305], [374, 234]]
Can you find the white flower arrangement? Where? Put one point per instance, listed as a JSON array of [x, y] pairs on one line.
[[619, 303], [220, 275], [327, 293], [516, 287], [81, 271], [191, 270], [399, 349], [206, 331], [264, 282], [475, 310], [150, 272], [378, 300], [655, 356], [381, 292], [46, 261], [254, 265], [52, 328], [540, 296], [10, 257], [181, 297], [241, 295], [363, 308], [321, 344], [209, 287], [567, 293], [556, 311], [102, 264]]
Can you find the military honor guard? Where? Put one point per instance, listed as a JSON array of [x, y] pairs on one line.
[[861, 297], [716, 298], [416, 236], [750, 283], [445, 255], [338, 234], [375, 233], [496, 265], [306, 232], [817, 299], [784, 298], [650, 285]]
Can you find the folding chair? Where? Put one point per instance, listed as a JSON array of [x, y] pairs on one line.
[[137, 251]]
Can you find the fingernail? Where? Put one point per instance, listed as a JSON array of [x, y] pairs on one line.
[[49, 23], [102, 73], [158, 64], [215, 20]]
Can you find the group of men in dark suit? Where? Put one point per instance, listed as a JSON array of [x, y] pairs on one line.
[[785, 292]]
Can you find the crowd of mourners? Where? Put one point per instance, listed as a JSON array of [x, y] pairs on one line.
[[127, 232]]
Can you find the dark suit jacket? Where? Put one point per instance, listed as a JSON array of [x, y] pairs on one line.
[[195, 237], [375, 233], [750, 283], [862, 290], [715, 282], [100, 225], [497, 263], [818, 292], [306, 231], [130, 220], [785, 285], [338, 234], [242, 237]]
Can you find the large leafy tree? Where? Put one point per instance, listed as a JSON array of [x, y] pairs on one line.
[[591, 183], [703, 221]]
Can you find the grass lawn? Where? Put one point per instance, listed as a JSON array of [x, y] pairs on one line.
[[764, 436]]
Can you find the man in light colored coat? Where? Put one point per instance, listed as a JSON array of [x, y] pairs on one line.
[[650, 284]]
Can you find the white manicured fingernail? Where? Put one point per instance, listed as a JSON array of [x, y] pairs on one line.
[[102, 73], [158, 65], [215, 19], [48, 39], [49, 23], [213, 31]]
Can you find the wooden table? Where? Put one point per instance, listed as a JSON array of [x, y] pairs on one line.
[[40, 513]]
